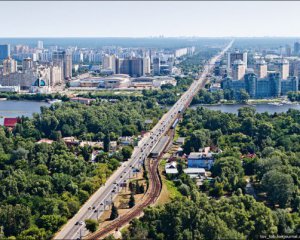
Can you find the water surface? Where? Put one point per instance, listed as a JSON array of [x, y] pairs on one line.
[[260, 108]]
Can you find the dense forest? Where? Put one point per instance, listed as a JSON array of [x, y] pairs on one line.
[[123, 118], [262, 149], [42, 185]]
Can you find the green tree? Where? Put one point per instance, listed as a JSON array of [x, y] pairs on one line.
[[114, 212], [33, 233], [230, 171], [243, 96], [14, 219], [91, 225], [279, 187], [126, 152], [106, 143], [131, 202], [51, 222]]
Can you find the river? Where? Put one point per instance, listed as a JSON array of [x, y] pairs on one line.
[[260, 107], [12, 108]]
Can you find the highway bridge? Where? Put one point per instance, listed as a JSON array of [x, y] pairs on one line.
[[104, 196]]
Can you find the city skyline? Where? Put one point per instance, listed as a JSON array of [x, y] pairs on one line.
[[146, 19]]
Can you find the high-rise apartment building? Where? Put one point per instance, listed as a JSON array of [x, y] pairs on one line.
[[77, 57], [64, 60], [109, 62], [156, 66], [294, 68], [288, 50], [67, 65], [271, 86], [146, 66], [238, 70], [4, 51], [55, 75], [9, 66], [236, 56], [135, 67], [282, 66], [250, 84], [296, 48], [27, 64], [106, 62], [40, 45], [261, 69]]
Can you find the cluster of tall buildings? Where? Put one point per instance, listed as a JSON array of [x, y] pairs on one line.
[[264, 79], [23, 65], [150, 62], [51, 73]]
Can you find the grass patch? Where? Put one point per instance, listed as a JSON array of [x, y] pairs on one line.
[[169, 190], [176, 135]]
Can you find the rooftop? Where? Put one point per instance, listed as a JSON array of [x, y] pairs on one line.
[[10, 122], [194, 170]]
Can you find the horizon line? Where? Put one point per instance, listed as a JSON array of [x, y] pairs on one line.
[[155, 37]]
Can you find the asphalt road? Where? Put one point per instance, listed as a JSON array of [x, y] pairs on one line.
[[103, 197]]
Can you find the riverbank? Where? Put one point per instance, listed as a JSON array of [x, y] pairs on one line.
[[260, 107], [249, 102]]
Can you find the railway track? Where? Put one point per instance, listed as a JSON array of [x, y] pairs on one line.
[[149, 198]]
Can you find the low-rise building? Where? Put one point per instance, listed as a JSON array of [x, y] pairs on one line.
[[70, 141], [171, 168], [10, 122], [9, 88], [149, 82], [86, 101], [180, 141], [113, 145], [45, 140], [195, 172], [115, 81], [215, 87], [125, 141], [91, 144], [202, 159]]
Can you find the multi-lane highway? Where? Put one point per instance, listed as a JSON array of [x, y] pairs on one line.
[[103, 197]]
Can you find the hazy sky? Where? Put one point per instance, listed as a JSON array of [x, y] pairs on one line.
[[139, 19]]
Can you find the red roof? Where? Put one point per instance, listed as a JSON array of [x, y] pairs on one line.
[[10, 122]]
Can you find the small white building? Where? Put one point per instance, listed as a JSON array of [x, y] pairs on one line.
[[171, 168], [195, 172]]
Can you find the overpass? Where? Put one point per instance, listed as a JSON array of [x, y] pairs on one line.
[[104, 196]]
